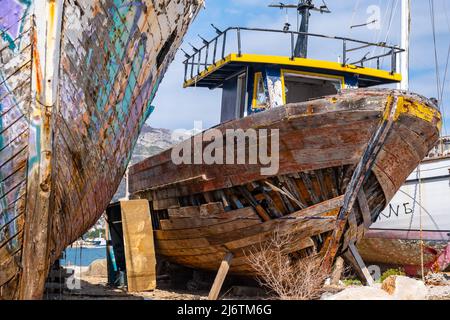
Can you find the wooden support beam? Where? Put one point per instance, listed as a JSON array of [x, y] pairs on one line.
[[220, 277], [139, 245], [365, 210], [337, 271], [353, 257]]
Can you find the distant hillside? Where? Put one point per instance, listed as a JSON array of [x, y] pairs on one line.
[[150, 142]]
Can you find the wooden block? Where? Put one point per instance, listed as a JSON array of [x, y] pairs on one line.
[[139, 245]]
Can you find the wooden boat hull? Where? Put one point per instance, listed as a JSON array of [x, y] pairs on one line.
[[77, 80], [321, 143], [402, 249]]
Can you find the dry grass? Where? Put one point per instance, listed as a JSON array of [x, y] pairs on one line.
[[289, 278]]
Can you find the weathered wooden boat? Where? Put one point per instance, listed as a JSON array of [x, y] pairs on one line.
[[415, 220], [77, 80], [200, 212], [343, 153]]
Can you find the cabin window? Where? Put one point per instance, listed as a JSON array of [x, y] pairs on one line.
[[259, 93], [300, 87]]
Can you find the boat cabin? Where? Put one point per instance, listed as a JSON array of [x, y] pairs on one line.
[[255, 82]]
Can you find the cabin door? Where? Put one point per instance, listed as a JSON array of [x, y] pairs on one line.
[[233, 98]]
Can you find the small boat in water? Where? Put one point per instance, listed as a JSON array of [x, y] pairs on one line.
[[344, 149], [77, 79]]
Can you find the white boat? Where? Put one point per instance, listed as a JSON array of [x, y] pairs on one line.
[[419, 211]]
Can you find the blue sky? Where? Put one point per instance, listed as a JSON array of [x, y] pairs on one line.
[[179, 108]]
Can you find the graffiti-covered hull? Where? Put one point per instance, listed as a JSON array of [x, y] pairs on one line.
[[77, 80]]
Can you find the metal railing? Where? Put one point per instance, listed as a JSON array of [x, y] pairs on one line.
[[216, 49]]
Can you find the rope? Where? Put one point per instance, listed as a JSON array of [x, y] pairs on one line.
[[421, 226]]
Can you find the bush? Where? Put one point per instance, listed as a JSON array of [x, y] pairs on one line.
[[392, 272], [289, 278], [351, 282]]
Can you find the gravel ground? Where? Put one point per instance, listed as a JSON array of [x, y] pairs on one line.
[[96, 288]]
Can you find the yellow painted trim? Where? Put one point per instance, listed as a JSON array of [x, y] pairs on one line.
[[258, 76], [297, 62], [311, 74], [283, 86], [418, 110]]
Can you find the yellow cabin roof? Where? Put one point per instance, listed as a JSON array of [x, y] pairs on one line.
[[214, 75]]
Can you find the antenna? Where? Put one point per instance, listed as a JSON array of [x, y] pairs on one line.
[[303, 8]]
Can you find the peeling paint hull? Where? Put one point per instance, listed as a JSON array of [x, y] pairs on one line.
[[77, 81], [201, 212]]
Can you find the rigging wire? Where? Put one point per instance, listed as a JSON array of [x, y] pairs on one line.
[[433, 25], [377, 36], [421, 225], [441, 97], [391, 20], [355, 9], [446, 68]]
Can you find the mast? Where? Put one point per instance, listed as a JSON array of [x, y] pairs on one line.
[[301, 47], [404, 56], [303, 7]]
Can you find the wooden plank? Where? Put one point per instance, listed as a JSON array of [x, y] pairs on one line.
[[200, 222], [193, 211], [259, 209], [210, 209], [220, 277], [165, 204], [243, 220], [359, 265], [139, 247], [365, 210]]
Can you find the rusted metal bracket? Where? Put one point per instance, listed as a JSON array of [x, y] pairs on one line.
[[360, 174]]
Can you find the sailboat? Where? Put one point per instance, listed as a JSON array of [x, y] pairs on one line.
[[345, 149], [77, 79], [413, 231]]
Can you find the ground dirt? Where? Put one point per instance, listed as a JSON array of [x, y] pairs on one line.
[[96, 288]]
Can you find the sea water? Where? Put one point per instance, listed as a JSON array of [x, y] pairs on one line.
[[83, 256]]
